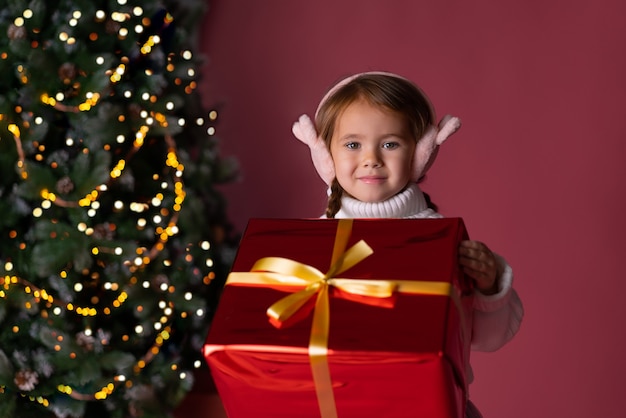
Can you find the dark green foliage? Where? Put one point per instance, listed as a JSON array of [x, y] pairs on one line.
[[114, 242]]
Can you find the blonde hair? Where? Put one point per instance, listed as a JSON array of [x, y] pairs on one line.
[[385, 90]]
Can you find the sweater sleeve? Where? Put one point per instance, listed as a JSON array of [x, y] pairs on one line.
[[497, 318]]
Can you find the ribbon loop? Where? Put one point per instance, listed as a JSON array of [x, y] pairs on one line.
[[300, 273], [350, 258], [283, 309]]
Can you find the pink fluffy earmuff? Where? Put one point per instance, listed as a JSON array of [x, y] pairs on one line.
[[425, 151]]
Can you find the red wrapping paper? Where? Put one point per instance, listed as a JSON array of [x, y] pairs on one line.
[[395, 357]]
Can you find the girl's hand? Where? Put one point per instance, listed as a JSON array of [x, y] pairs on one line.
[[479, 263]]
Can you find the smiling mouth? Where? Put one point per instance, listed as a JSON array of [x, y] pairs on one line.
[[372, 179]]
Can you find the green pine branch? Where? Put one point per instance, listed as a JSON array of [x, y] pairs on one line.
[[114, 242]]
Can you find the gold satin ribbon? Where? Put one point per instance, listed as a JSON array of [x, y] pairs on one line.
[[277, 271]]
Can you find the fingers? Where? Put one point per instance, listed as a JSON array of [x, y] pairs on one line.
[[476, 255], [479, 263]]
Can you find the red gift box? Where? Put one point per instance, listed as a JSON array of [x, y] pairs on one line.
[[386, 333]]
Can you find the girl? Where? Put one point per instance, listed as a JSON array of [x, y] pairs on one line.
[[375, 139]]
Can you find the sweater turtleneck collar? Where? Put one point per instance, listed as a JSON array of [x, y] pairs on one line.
[[409, 203]]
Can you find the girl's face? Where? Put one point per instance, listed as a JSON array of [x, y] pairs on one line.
[[372, 151]]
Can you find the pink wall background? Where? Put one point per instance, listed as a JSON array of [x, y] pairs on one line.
[[537, 170]]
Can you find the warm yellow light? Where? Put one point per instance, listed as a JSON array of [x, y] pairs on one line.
[[14, 129]]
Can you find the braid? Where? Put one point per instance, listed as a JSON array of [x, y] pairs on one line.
[[430, 203], [334, 200]]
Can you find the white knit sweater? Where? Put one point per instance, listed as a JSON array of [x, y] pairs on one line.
[[409, 204]]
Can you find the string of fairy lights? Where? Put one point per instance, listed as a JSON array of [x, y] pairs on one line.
[[165, 223]]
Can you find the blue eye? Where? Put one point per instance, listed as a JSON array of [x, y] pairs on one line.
[[390, 145]]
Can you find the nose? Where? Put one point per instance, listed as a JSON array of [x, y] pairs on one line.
[[371, 159]]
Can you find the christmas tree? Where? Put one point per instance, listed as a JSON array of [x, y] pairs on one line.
[[114, 242]]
